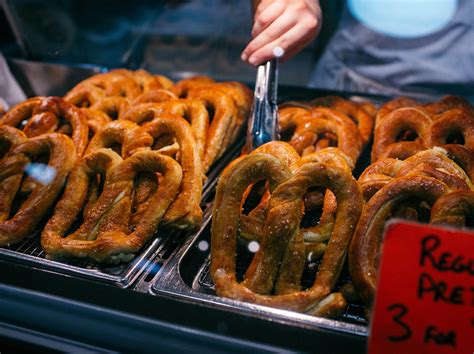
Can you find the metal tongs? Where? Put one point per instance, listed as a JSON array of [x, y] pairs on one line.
[[263, 123]]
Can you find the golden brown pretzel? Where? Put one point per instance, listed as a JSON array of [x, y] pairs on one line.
[[84, 96], [144, 79], [454, 209], [165, 128], [358, 113], [122, 135], [324, 120], [185, 212], [432, 162], [9, 138], [390, 106], [105, 234], [463, 156], [120, 83], [447, 103], [182, 87], [40, 115], [451, 125], [395, 123], [15, 225], [365, 245], [252, 224], [114, 107], [282, 241], [405, 127], [242, 97], [289, 117], [96, 120], [156, 96], [193, 111], [317, 236], [222, 123]]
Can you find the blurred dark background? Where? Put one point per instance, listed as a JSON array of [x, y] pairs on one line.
[[177, 38]]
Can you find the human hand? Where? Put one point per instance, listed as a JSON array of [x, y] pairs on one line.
[[288, 24]]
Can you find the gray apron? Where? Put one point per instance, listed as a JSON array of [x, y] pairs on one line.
[[359, 59]]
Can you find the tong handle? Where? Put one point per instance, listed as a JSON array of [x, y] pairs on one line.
[[263, 124]]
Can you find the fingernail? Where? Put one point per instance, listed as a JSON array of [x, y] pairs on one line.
[[253, 60], [278, 51]]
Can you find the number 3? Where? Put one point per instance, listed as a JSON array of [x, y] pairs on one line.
[[401, 310]]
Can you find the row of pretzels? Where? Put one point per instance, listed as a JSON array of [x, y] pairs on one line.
[[422, 169], [120, 154]]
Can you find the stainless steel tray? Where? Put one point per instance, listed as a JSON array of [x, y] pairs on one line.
[[186, 276], [163, 244]]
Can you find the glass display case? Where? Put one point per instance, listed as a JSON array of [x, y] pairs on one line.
[[162, 295]]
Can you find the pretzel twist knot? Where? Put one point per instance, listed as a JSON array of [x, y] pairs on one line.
[[41, 115], [425, 185], [280, 259], [404, 127], [454, 209], [21, 212], [173, 135], [106, 234], [311, 130]]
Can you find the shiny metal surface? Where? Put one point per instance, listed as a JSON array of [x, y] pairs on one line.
[[263, 123], [174, 280]]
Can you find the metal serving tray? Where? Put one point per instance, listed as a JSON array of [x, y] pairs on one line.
[[185, 275], [162, 245]]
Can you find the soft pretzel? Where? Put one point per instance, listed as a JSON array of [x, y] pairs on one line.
[[362, 115], [282, 241], [40, 115], [9, 138], [324, 120], [15, 225], [182, 87], [84, 96], [447, 103], [242, 97], [456, 123], [145, 80], [390, 106], [321, 233], [405, 127], [293, 115], [315, 236], [113, 83], [365, 245], [432, 162], [222, 123], [122, 135], [454, 209], [463, 156], [185, 212], [395, 123], [114, 107], [156, 96], [105, 234], [252, 223], [96, 120], [192, 110]]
